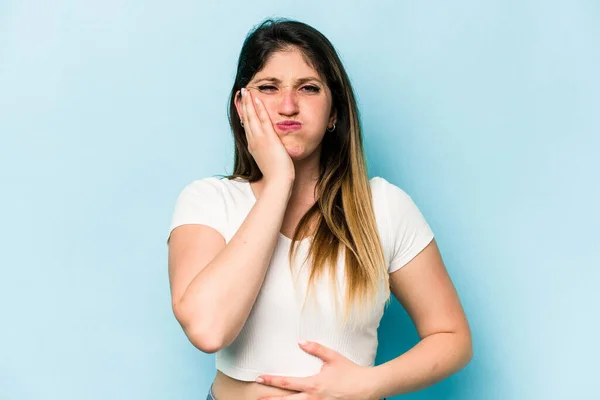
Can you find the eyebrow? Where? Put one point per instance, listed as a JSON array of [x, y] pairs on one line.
[[299, 80]]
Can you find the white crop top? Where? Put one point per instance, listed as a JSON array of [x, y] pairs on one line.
[[268, 342]]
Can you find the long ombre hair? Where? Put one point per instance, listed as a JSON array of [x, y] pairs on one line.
[[343, 211]]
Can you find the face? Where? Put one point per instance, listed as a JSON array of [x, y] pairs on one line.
[[292, 90]]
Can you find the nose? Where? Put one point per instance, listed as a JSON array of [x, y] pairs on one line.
[[288, 102]]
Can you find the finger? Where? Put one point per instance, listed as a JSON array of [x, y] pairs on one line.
[[286, 382], [263, 117], [324, 353], [247, 127], [253, 120]]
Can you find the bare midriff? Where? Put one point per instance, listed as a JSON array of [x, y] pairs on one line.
[[227, 388]]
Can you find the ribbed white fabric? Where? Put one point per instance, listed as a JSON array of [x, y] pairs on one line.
[[268, 342]]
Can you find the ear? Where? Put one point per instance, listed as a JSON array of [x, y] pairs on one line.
[[333, 117], [238, 103]]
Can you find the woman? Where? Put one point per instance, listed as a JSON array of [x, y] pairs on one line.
[[299, 244]]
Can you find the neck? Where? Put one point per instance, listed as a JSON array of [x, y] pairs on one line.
[[306, 177]]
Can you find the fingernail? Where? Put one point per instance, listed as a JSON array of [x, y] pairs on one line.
[[243, 92], [302, 342], [259, 380]]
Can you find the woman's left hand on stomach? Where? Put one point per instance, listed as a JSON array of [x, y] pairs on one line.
[[339, 378]]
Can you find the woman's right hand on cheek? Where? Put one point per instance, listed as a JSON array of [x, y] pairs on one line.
[[264, 144]]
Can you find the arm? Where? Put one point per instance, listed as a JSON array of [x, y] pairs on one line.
[[425, 290], [214, 285]]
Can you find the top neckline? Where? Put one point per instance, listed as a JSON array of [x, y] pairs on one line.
[[248, 188]]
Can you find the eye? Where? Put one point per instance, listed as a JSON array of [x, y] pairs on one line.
[[264, 88], [312, 88], [271, 88]]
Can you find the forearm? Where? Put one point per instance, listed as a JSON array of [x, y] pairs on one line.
[[431, 360], [218, 300]]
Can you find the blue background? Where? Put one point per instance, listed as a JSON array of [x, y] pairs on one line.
[[486, 113]]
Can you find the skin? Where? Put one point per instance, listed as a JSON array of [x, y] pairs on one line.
[[291, 99], [423, 286]]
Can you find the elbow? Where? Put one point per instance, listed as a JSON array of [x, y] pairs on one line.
[[468, 355], [467, 347], [205, 341], [202, 335]]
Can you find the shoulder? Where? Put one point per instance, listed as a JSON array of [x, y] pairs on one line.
[[385, 193], [200, 202], [199, 195], [405, 230], [207, 184], [392, 201], [215, 187], [227, 196]]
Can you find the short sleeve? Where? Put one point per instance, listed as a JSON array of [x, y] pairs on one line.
[[408, 231], [200, 202]]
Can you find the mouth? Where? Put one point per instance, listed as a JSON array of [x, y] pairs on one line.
[[288, 126]]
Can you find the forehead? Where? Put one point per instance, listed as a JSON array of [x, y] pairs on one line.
[[287, 66]]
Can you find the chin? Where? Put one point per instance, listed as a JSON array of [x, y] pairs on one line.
[[296, 152]]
